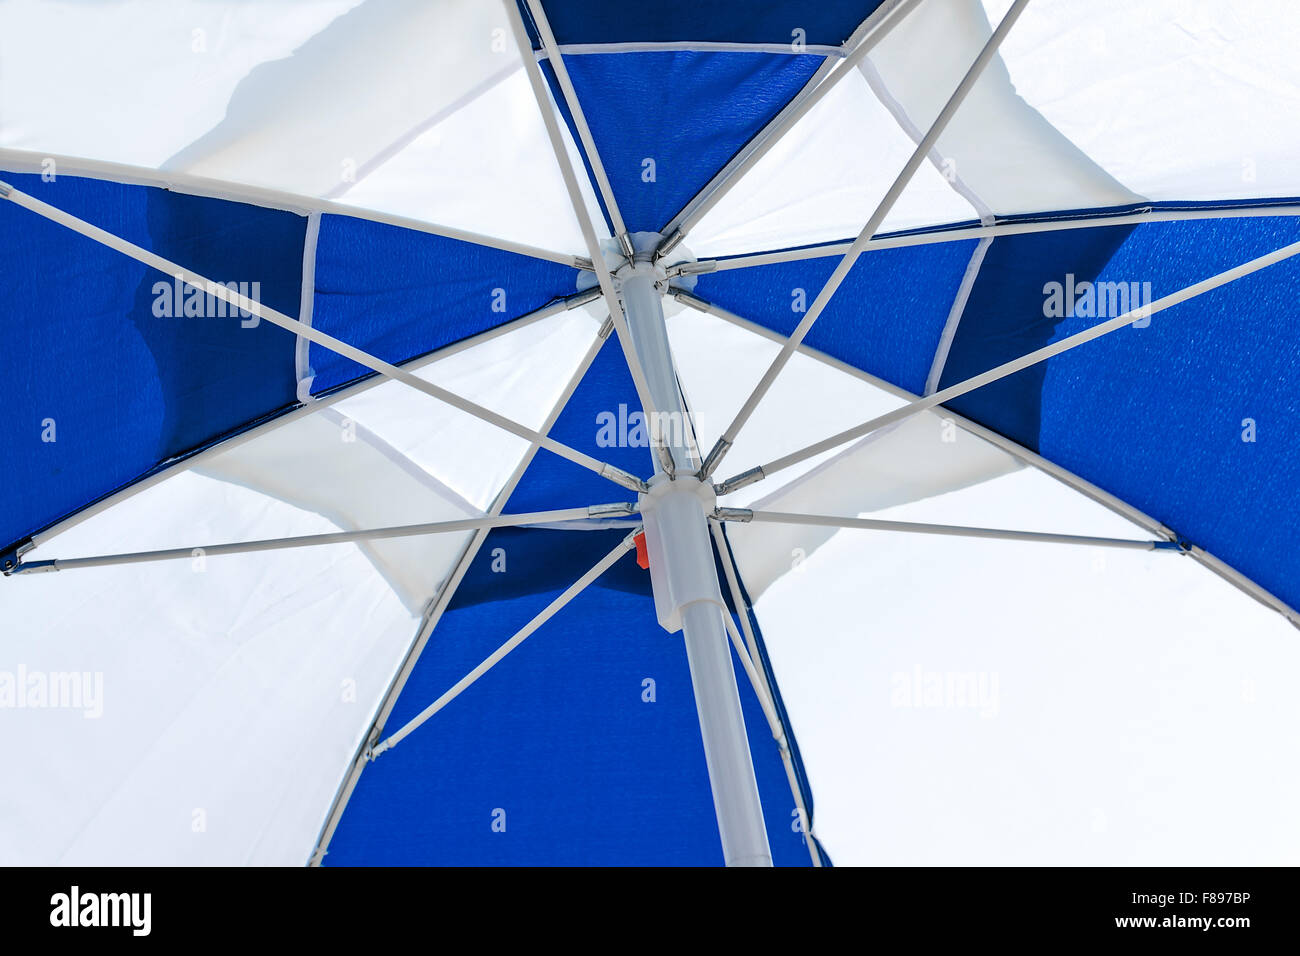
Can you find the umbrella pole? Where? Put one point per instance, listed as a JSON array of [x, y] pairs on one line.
[[687, 592]]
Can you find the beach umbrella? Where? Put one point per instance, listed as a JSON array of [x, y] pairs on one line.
[[745, 333]]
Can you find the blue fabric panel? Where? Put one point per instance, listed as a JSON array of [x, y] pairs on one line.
[[828, 22], [886, 318], [128, 388], [1004, 320], [689, 112], [557, 735], [1156, 415], [399, 293], [601, 420]]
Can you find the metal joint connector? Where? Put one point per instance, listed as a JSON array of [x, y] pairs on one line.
[[582, 298], [11, 561], [741, 480], [733, 514], [31, 567], [5, 190], [710, 462], [669, 244], [612, 509], [665, 456], [621, 477]]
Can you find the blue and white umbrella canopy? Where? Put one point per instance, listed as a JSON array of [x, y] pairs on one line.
[[1012, 282]]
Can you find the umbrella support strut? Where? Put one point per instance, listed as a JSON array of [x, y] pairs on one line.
[[687, 593]]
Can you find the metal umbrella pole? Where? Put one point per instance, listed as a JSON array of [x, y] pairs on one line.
[[687, 593]]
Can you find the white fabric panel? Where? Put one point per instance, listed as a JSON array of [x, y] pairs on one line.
[[718, 365], [225, 718], [520, 374], [332, 465], [487, 168], [976, 702], [307, 99], [1176, 100], [824, 178], [136, 81], [382, 457], [236, 690], [922, 456], [996, 146]]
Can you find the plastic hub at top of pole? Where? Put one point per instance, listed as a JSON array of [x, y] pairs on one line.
[[675, 516]]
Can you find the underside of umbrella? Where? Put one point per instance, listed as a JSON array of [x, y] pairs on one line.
[[695, 295]]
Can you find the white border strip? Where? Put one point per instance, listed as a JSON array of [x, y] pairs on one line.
[[955, 314], [303, 372], [837, 249], [693, 46]]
